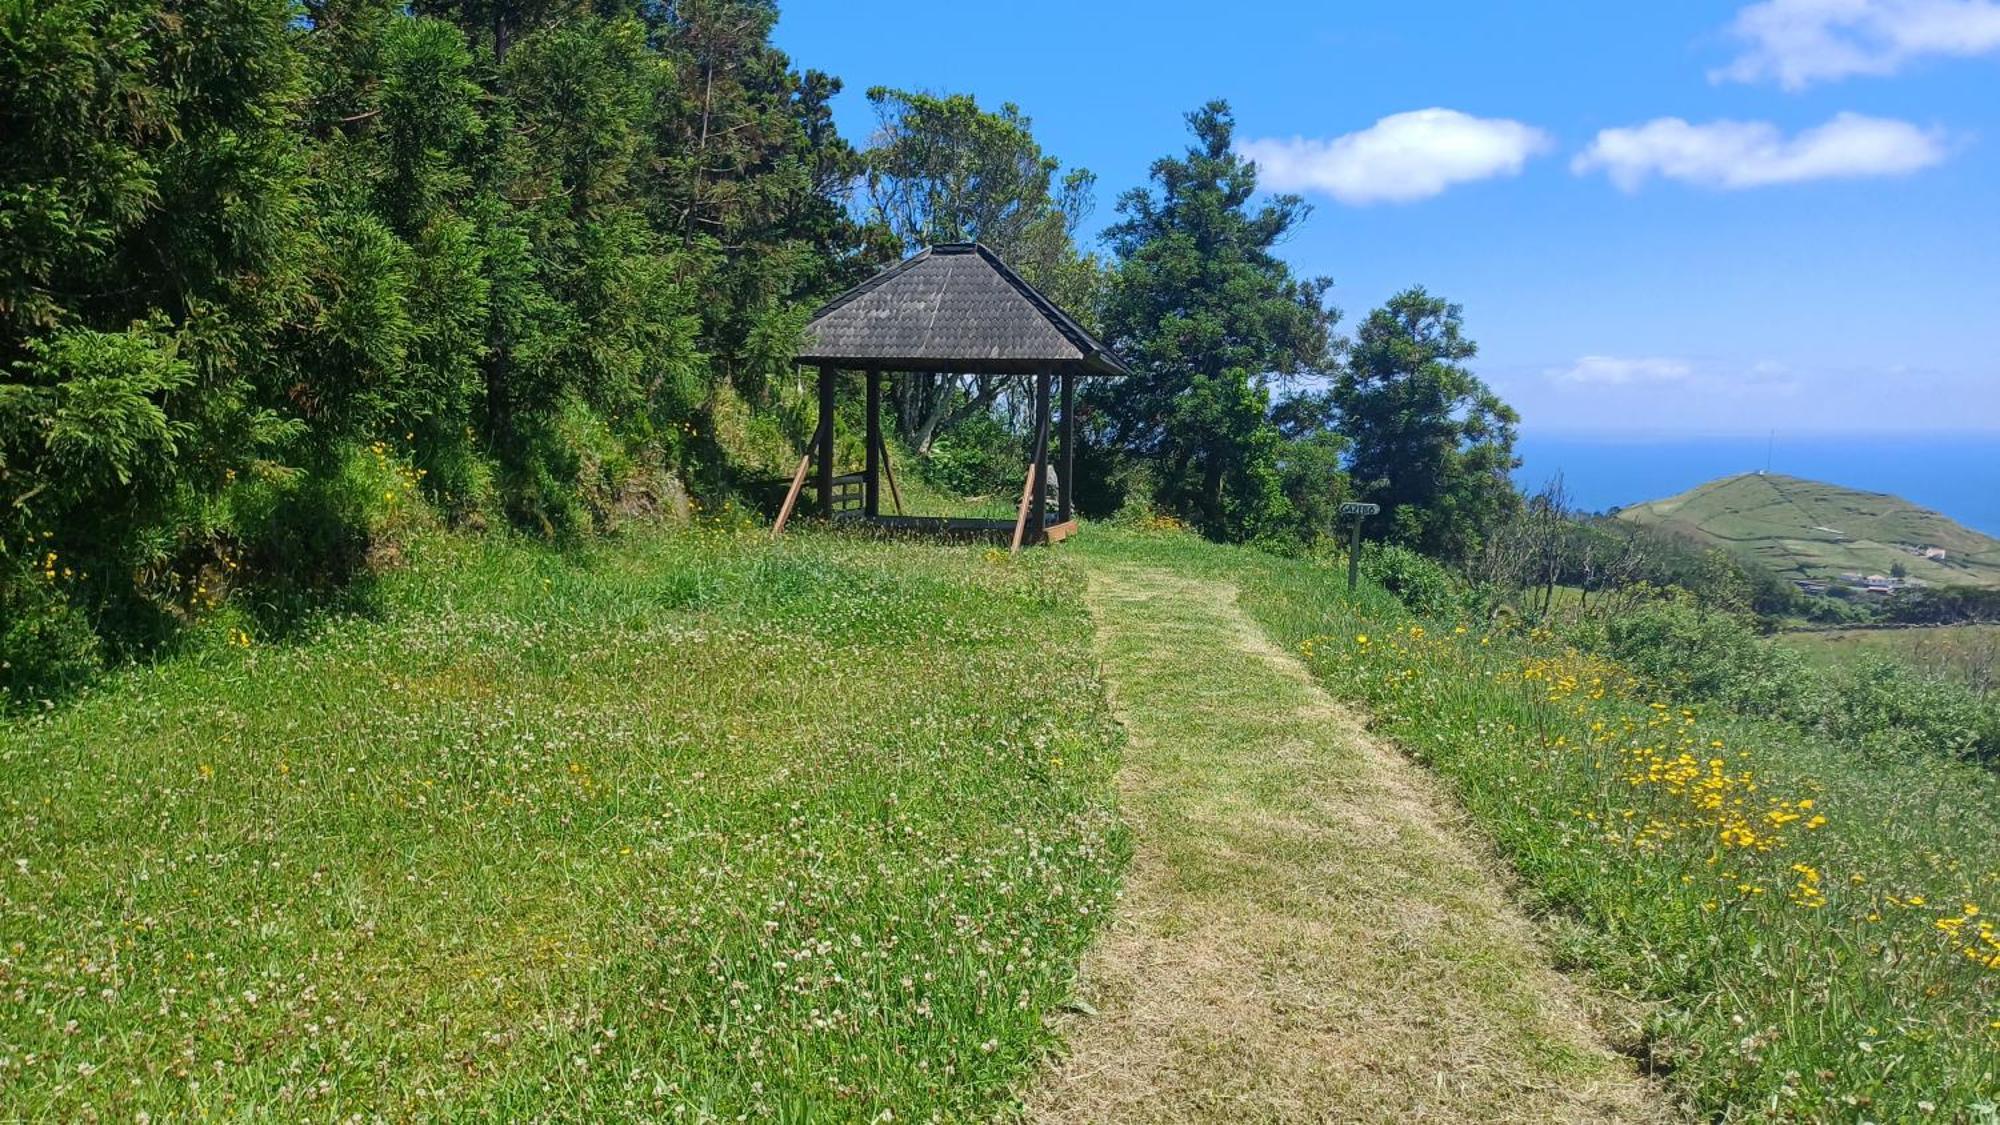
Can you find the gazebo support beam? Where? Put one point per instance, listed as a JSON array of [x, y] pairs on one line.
[[1065, 506], [872, 485], [825, 482], [798, 484], [1039, 473]]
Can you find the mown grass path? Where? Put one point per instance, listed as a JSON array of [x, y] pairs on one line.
[[1306, 934]]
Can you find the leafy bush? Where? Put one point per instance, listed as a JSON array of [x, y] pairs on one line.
[[1422, 584], [47, 646], [1887, 705], [1689, 652], [1693, 652], [975, 457]]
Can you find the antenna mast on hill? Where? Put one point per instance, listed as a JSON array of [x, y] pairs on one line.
[[1769, 444]]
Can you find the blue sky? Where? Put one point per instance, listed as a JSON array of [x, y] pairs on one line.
[[1662, 219]]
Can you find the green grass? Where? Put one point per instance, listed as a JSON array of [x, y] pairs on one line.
[[686, 825], [1817, 973], [1969, 654], [1807, 529]]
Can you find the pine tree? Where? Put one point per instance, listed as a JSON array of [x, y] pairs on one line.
[[1209, 317], [1431, 442], [149, 195]]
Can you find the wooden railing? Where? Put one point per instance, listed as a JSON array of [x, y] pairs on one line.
[[850, 495]]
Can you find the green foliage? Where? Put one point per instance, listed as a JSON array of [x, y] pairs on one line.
[[1207, 314], [1694, 652], [47, 645], [752, 181], [1945, 605], [945, 170], [1312, 465], [1887, 705], [977, 456], [521, 247], [1422, 584], [1699, 653], [1431, 443]]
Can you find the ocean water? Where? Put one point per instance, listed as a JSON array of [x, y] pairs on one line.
[[1958, 475]]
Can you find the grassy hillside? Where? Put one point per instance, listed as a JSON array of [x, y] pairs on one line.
[[1807, 529], [687, 825]]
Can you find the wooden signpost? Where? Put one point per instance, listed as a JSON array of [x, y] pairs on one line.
[[1359, 512]]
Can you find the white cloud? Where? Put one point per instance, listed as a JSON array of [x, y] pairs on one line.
[[1617, 370], [1399, 159], [1798, 42], [1746, 154], [1733, 395]]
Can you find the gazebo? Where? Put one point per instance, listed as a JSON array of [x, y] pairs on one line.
[[955, 308]]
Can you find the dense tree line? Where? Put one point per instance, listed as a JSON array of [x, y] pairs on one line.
[[271, 271], [276, 277]]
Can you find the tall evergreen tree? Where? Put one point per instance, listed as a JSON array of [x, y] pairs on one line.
[[749, 173], [1431, 442], [149, 203], [263, 261], [1209, 317]]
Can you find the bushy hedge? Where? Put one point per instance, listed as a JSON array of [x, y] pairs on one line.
[[277, 276], [978, 456], [1698, 653], [1421, 583]]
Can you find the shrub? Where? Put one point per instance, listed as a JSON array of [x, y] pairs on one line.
[[975, 457], [1692, 652], [1422, 584], [1706, 655], [1885, 704], [47, 646]]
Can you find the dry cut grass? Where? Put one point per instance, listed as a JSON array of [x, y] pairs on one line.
[[1306, 933]]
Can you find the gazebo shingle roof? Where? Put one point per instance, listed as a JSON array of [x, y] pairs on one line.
[[956, 308]]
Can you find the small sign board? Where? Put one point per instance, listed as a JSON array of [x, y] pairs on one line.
[[1360, 509]]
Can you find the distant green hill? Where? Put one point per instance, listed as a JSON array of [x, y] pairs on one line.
[[1805, 529]]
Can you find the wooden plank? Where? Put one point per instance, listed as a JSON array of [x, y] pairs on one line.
[[1059, 532], [798, 484], [1021, 521], [889, 470]]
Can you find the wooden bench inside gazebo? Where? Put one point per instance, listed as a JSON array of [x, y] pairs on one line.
[[953, 309]]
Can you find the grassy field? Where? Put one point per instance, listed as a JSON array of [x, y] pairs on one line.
[[694, 825], [681, 826], [1969, 654], [1811, 928], [1807, 529]]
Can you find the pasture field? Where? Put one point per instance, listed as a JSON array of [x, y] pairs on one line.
[[1969, 654], [681, 826], [1811, 929], [1809, 529]]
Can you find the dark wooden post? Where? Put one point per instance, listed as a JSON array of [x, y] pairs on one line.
[[1038, 507], [826, 440], [1065, 508], [872, 487]]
